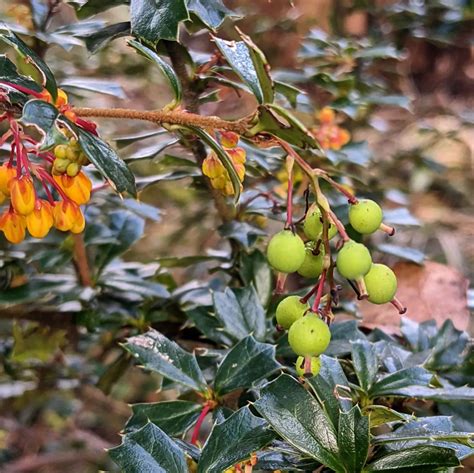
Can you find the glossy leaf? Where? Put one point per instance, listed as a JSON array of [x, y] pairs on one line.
[[410, 254], [380, 415], [164, 67], [300, 420], [93, 7], [157, 353], [94, 85], [255, 271], [240, 313], [101, 38], [395, 383], [211, 12], [242, 232], [233, 441], [364, 359], [9, 73], [353, 438], [149, 450], [248, 362], [173, 417], [153, 20]]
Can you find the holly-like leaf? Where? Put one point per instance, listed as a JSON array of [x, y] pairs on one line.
[[99, 39], [242, 232], [331, 379], [107, 162], [353, 438], [233, 441], [153, 20], [255, 270], [164, 67], [149, 450], [248, 362], [300, 420], [420, 459], [380, 415], [364, 359], [157, 353], [9, 73], [239, 57], [48, 80], [211, 12], [173, 417], [240, 313], [93, 7], [395, 383]]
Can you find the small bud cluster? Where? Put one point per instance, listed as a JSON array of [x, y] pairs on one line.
[[43, 189], [213, 168], [328, 133]]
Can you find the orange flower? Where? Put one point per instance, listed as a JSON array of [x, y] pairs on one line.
[[229, 139], [46, 96], [23, 195], [7, 173], [212, 167], [326, 115], [68, 216], [240, 170], [40, 221], [13, 226], [238, 155], [61, 98], [77, 188]]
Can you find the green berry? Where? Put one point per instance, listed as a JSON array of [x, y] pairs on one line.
[[83, 159], [313, 224], [286, 251], [312, 265], [353, 260], [381, 284], [72, 153], [309, 336], [315, 365], [60, 151], [365, 216], [289, 310], [73, 169], [60, 165]]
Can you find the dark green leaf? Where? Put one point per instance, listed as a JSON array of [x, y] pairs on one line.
[[248, 362], [364, 359], [153, 20], [255, 271], [30, 56], [173, 417], [240, 313], [329, 386], [31, 291], [210, 326], [300, 420], [380, 415], [107, 162], [149, 450], [164, 67], [39, 11], [186, 261], [92, 7], [9, 73], [104, 36], [211, 12], [445, 394], [233, 441], [418, 459], [342, 334], [353, 439], [242, 232], [158, 353], [395, 383], [290, 92]]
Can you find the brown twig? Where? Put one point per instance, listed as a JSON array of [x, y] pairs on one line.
[[81, 262]]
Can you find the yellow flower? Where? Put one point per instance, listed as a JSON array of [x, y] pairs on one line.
[[238, 155], [212, 167], [23, 195], [68, 216], [40, 221], [13, 226], [326, 115], [229, 139], [7, 173], [77, 188]]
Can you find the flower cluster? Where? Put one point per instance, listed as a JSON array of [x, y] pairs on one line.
[[213, 168], [328, 133], [44, 189]]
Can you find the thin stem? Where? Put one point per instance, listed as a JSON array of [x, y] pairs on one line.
[[162, 117], [350, 196], [399, 306], [319, 293], [307, 297], [289, 198], [81, 262], [207, 407], [390, 231]]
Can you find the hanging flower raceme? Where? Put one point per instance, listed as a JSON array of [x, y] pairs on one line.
[[328, 133], [213, 168], [43, 189]]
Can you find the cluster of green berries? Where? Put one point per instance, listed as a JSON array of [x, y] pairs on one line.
[[308, 334], [69, 159]]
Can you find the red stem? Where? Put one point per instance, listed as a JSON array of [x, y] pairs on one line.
[[20, 88], [207, 407], [319, 294], [289, 197], [306, 297]]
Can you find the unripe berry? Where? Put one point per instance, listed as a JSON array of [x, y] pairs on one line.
[[353, 260], [60, 151], [365, 216], [73, 169], [289, 310], [315, 365], [381, 284], [60, 165], [309, 336], [72, 153], [313, 224], [312, 265], [286, 252]]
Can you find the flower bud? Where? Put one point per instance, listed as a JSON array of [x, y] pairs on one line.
[[13, 226], [326, 115], [23, 195], [212, 167], [77, 188], [229, 139], [238, 155], [67, 215], [240, 170], [61, 98], [40, 221], [7, 173]]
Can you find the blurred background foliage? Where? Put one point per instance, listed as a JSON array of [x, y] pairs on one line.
[[398, 75]]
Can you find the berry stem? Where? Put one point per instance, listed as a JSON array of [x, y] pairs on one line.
[[307, 365], [319, 293], [289, 198], [390, 231], [362, 288], [352, 199], [399, 306], [280, 283], [306, 297], [248, 469], [339, 225], [205, 410]]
